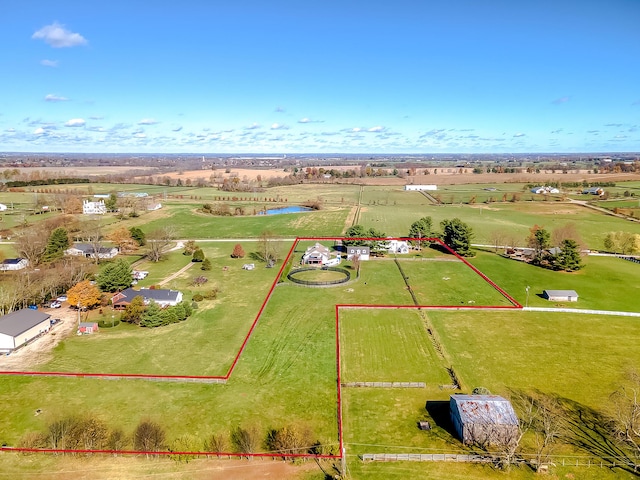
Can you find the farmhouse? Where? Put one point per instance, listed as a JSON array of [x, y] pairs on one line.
[[163, 297], [316, 255], [14, 264], [88, 251], [94, 208], [420, 187], [87, 328], [3, 207], [21, 326], [398, 246], [483, 419], [358, 251], [544, 190], [593, 191], [560, 295]]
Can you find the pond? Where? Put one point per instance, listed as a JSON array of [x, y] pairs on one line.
[[278, 211]]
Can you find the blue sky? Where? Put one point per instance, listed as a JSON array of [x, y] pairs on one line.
[[245, 76]]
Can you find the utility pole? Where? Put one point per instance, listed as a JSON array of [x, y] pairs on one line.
[[527, 301]]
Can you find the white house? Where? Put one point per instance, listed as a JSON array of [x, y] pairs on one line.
[[20, 327], [358, 251], [88, 251], [94, 208], [544, 190], [420, 187], [398, 246], [316, 255], [162, 296], [14, 264], [560, 295], [3, 207], [154, 206]]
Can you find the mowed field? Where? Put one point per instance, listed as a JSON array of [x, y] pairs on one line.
[[288, 370]]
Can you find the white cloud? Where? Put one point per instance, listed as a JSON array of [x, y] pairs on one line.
[[39, 131], [49, 63], [55, 98], [253, 126], [518, 135], [58, 37], [75, 122], [304, 120], [278, 126], [377, 128], [147, 121], [140, 135], [177, 129], [356, 129]]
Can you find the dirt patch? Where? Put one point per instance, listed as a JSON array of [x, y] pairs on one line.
[[101, 468], [39, 350]]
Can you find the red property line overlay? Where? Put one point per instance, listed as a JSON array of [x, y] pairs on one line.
[[515, 305]]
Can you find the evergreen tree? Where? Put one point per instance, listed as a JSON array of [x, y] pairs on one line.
[[206, 264], [168, 316], [420, 229], [56, 245], [569, 257], [356, 231], [187, 308], [112, 202], [457, 235], [179, 312], [152, 316], [138, 235], [115, 276], [198, 255]]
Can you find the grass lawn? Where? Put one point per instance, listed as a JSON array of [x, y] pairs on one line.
[[600, 275], [448, 281], [585, 357]]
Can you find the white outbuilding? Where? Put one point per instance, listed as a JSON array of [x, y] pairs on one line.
[[20, 327]]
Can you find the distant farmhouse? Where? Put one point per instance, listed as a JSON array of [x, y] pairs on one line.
[[88, 251], [163, 297], [3, 207], [318, 254], [420, 187], [560, 295], [593, 191], [358, 251], [398, 246], [483, 419], [87, 328], [544, 190], [14, 264], [20, 327], [94, 208]]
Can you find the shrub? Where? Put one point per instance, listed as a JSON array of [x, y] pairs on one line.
[[197, 298], [108, 323]]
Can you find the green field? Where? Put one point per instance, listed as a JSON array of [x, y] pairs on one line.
[[287, 372]]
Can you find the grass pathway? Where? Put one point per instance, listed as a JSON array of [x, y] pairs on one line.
[[176, 274]]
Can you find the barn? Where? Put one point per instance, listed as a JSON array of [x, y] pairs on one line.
[[483, 419], [20, 327], [560, 295]]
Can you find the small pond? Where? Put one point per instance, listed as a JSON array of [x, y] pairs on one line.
[[278, 211]]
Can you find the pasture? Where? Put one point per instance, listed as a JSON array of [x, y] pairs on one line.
[[287, 372]]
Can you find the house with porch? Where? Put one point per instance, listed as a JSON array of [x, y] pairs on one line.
[[162, 296]]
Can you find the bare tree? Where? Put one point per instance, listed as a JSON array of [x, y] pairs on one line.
[[245, 440], [158, 241], [269, 246], [148, 437], [626, 419], [498, 239], [31, 244]]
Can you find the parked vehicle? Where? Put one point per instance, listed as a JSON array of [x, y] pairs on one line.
[[62, 298], [55, 304]]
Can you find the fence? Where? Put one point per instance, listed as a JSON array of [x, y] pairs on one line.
[[386, 384], [553, 460], [312, 283]]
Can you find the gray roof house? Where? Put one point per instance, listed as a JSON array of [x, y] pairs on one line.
[[560, 295], [13, 264], [162, 296], [483, 419], [21, 326], [87, 250]]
